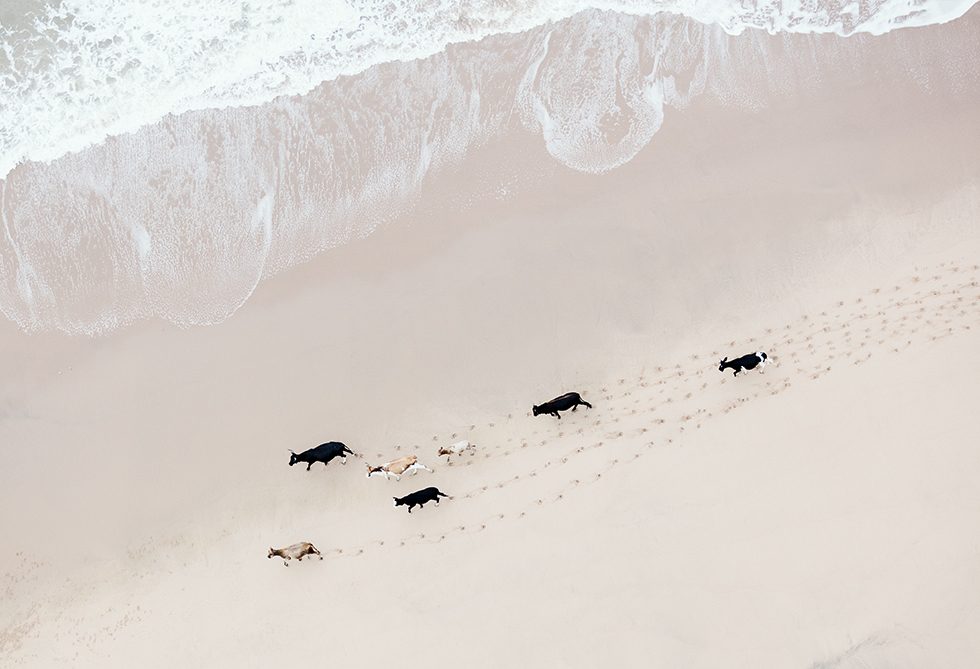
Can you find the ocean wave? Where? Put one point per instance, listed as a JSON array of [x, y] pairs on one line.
[[80, 71], [182, 219]]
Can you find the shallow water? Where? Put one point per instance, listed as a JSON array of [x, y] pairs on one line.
[[181, 217], [77, 71]]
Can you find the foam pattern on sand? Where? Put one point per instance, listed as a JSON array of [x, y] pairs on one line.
[[182, 219]]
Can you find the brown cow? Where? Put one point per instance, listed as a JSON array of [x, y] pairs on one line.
[[294, 552], [407, 465]]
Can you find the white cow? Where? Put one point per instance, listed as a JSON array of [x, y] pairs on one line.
[[456, 449], [408, 465]]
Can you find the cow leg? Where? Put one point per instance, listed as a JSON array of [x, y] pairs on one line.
[[308, 465], [557, 415]]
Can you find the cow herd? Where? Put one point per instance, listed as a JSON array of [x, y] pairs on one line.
[[410, 464]]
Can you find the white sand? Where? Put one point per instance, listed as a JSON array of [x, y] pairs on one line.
[[820, 515]]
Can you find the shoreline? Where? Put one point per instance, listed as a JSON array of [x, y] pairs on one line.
[[186, 218], [470, 29]]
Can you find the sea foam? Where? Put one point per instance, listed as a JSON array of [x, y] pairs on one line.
[[84, 70], [183, 218]]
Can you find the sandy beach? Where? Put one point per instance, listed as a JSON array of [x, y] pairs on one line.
[[820, 514]]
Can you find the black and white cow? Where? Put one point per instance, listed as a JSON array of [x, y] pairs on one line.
[[751, 361]]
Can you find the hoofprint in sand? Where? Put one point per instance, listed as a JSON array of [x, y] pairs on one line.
[[644, 424], [656, 407]]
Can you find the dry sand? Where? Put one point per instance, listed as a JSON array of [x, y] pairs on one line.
[[819, 515]]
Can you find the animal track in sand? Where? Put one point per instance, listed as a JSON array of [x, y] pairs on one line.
[[933, 330]]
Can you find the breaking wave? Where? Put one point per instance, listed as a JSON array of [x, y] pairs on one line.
[[180, 216], [77, 72]]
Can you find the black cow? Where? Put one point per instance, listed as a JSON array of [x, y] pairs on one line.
[[323, 453], [563, 403], [419, 498], [751, 361]]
